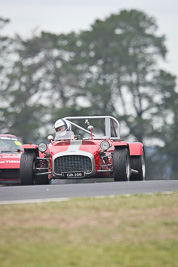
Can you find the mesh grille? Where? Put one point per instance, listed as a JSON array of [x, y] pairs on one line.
[[72, 163]]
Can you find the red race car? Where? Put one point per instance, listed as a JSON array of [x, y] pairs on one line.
[[10, 153], [83, 151]]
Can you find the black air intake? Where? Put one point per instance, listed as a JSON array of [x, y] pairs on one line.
[[72, 163]]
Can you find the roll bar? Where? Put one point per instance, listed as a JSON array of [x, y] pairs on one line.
[[109, 120]]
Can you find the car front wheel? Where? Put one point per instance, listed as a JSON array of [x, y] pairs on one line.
[[26, 168], [121, 164]]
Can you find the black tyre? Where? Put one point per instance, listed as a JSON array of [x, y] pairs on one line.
[[26, 168], [138, 163], [121, 164]]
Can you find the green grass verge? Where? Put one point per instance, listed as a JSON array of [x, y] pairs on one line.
[[139, 230]]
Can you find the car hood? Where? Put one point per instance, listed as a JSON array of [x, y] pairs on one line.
[[10, 160], [75, 146]]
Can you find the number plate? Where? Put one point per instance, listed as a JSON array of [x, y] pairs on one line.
[[74, 174]]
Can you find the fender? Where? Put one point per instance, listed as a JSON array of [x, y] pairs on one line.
[[120, 143], [30, 147], [136, 149]]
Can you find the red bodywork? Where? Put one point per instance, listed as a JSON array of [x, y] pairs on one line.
[[10, 155], [95, 152], [93, 147], [103, 165]]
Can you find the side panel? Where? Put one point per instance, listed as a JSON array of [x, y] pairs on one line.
[[10, 161], [135, 149]]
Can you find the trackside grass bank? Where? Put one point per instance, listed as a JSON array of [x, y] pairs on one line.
[[136, 231]]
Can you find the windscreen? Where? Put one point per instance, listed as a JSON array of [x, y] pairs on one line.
[[9, 144], [64, 135]]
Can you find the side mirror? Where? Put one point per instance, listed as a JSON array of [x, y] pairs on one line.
[[50, 138], [90, 128]]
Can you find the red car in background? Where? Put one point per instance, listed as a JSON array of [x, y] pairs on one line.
[[10, 154]]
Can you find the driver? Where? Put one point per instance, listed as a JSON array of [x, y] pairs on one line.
[[63, 129]]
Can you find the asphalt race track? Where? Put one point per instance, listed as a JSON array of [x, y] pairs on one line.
[[59, 192]]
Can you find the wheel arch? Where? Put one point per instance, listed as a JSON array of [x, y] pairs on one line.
[[136, 149], [31, 148], [118, 145]]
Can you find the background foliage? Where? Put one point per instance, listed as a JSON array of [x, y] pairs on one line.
[[111, 69]]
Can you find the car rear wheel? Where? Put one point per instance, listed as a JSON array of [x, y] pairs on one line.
[[121, 164], [138, 163], [26, 168]]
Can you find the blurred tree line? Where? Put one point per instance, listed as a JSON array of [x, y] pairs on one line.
[[110, 69]]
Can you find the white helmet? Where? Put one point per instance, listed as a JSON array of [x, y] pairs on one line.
[[61, 123]]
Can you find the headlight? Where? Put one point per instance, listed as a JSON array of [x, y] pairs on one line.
[[42, 147], [104, 145]]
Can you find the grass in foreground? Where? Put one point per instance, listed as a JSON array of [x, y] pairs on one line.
[[141, 230]]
